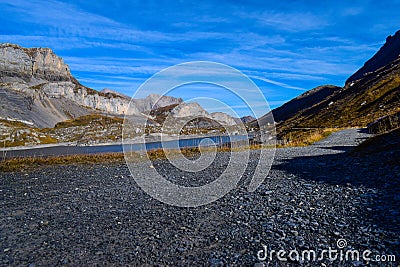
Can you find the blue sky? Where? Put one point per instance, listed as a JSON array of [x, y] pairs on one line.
[[285, 48]]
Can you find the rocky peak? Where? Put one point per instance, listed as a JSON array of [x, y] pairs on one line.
[[189, 110], [32, 65], [223, 118], [247, 119], [162, 101], [389, 52], [111, 92], [35, 82], [154, 101]]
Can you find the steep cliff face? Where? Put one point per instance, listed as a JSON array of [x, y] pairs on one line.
[[39, 75], [42, 76], [36, 86], [107, 103], [48, 66], [21, 102], [31, 65]]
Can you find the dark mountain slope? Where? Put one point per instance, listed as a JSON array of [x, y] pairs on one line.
[[374, 92], [374, 96], [308, 99], [389, 52]]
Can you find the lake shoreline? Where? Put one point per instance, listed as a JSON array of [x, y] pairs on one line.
[[134, 141], [169, 142]]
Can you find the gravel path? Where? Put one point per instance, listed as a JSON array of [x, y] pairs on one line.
[[97, 215]]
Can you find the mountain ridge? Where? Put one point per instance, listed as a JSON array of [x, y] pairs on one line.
[[389, 52], [42, 102], [45, 92], [370, 93], [46, 86]]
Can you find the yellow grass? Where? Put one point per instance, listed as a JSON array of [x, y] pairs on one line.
[[25, 163], [309, 137], [28, 163]]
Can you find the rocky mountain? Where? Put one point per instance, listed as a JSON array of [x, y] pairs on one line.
[[151, 102], [297, 104], [187, 111], [108, 91], [246, 119], [375, 95], [32, 65], [366, 97], [303, 101], [389, 52], [154, 101], [41, 102], [37, 86], [223, 118]]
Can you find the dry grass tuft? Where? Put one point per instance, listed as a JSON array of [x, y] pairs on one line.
[[308, 137], [89, 120], [26, 163]]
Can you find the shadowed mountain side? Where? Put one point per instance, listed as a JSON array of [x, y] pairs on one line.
[[389, 52], [356, 105], [298, 104], [387, 143], [374, 92], [304, 101], [369, 98]]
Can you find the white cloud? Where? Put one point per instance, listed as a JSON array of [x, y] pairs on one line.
[[281, 84], [288, 21]]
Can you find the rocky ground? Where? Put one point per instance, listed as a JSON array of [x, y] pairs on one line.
[[313, 196]]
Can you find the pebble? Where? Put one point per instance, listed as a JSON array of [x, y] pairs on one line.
[[114, 222]]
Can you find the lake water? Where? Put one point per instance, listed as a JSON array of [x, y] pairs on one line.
[[73, 150]]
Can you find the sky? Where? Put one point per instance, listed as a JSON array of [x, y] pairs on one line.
[[284, 47]]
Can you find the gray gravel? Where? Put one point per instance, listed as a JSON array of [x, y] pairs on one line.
[[97, 215]]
